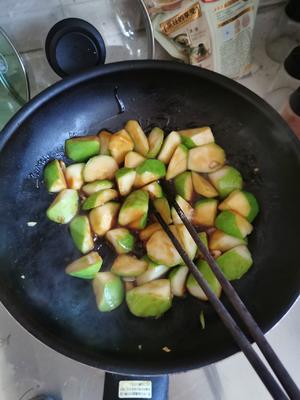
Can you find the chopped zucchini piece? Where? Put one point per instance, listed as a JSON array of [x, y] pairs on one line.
[[129, 285], [161, 250], [104, 138], [99, 198], [153, 271], [109, 291], [121, 239], [226, 180], [54, 176], [206, 158], [244, 203], [173, 229], [203, 186], [187, 241], [202, 320], [184, 185], [215, 253], [205, 212], [139, 223], [127, 265], [149, 171], [149, 230], [235, 262], [151, 299], [186, 208], [74, 176], [233, 224], [82, 148], [169, 145], [178, 162], [133, 160], [193, 287], [129, 279], [102, 218], [64, 207], [125, 178], [81, 233], [96, 186], [163, 208], [138, 136], [203, 238], [85, 267], [100, 167], [134, 207], [196, 137], [223, 242], [154, 189], [155, 139], [178, 277], [119, 145]]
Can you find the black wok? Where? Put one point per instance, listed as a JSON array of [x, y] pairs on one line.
[[59, 310]]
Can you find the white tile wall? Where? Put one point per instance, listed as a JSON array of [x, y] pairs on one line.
[[63, 2], [39, 72], [28, 29], [19, 6], [98, 13]]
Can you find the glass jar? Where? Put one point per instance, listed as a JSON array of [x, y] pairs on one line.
[[14, 88]]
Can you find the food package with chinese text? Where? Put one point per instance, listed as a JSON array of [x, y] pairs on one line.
[[212, 34]]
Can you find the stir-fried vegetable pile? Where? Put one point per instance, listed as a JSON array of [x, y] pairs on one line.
[[105, 194]]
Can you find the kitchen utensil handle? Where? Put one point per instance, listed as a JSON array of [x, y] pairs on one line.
[[135, 387]]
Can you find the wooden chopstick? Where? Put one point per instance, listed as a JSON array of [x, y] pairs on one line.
[[241, 309], [240, 338]]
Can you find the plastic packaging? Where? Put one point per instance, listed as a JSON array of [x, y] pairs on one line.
[[213, 34]]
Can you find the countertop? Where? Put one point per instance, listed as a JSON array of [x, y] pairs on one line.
[[28, 368]]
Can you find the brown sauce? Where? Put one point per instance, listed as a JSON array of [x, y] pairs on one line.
[[139, 249]]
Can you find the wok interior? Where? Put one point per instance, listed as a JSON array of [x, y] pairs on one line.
[[61, 310]]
